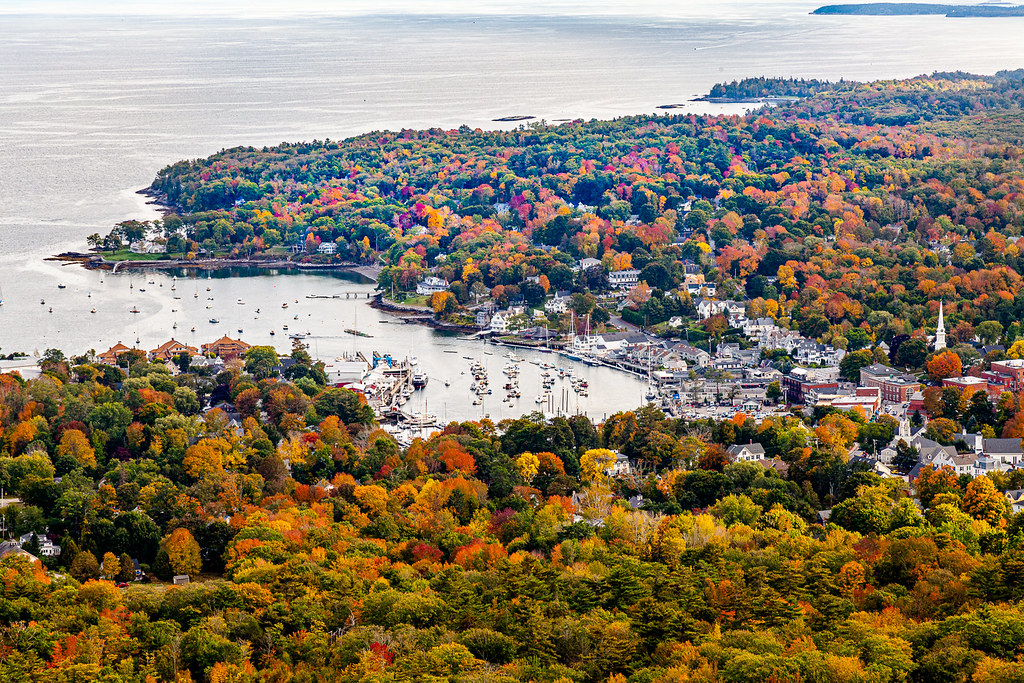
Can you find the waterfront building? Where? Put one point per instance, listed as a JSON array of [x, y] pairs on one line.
[[431, 285], [226, 347]]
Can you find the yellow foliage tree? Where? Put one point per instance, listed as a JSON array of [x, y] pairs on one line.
[[528, 465], [596, 463], [983, 501], [203, 459], [74, 444], [372, 499], [111, 566], [442, 302], [182, 552]]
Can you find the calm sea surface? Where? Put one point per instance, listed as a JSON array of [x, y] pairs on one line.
[[92, 107]]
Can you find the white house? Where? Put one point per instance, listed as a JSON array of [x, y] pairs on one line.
[[747, 452], [584, 343], [431, 285], [961, 464], [143, 247], [755, 329], [707, 308], [620, 466], [499, 323], [327, 248], [47, 548], [558, 304], [623, 279], [701, 288]]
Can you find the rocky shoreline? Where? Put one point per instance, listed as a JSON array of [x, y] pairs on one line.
[[98, 262], [418, 315]]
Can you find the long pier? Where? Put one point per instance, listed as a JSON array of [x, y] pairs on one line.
[[348, 295]]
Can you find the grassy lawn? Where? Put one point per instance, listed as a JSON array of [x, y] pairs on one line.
[[126, 255], [413, 300]]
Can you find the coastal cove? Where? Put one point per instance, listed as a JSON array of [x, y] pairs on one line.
[[317, 308]]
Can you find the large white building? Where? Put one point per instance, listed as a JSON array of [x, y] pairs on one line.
[[624, 278], [431, 285]]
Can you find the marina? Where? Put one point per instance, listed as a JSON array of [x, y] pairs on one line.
[[443, 358]]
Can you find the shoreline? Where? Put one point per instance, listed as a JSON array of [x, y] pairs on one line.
[[93, 261], [416, 315]]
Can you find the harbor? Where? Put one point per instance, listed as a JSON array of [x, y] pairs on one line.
[[194, 306]]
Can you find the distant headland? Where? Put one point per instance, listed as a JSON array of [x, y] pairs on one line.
[[916, 8]]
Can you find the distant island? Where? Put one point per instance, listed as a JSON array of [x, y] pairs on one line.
[[769, 90], [916, 8]]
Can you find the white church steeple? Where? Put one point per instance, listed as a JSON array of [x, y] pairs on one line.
[[940, 332]]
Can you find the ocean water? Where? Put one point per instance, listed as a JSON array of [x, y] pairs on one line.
[[92, 106]]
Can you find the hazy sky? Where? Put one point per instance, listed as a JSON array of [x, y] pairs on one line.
[[663, 8]]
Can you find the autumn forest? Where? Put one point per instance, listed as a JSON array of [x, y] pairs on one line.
[[316, 548]]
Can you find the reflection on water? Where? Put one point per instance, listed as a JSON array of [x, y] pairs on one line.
[[182, 304]]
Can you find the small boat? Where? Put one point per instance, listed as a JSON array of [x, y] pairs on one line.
[[174, 326], [447, 383], [272, 333], [284, 305], [207, 289], [214, 321], [450, 351], [133, 310], [284, 327], [62, 286], [142, 289], [239, 330], [419, 380], [51, 309], [239, 302], [193, 329], [89, 295], [42, 302], [93, 310]]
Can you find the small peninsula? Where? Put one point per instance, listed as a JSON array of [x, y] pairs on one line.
[[895, 9]]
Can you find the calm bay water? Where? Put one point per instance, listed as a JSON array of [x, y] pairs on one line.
[[92, 107]]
